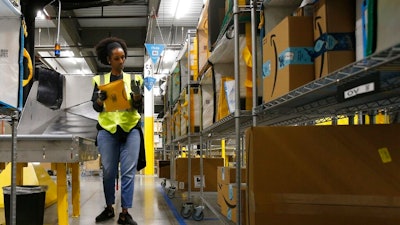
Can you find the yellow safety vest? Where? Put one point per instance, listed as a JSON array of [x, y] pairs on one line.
[[127, 119]]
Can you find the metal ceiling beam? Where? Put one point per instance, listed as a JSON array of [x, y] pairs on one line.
[[99, 17], [134, 36], [69, 30]]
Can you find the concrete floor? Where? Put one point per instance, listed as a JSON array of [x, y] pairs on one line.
[[152, 206]]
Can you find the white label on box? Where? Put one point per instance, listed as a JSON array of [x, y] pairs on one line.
[[197, 181], [181, 185]]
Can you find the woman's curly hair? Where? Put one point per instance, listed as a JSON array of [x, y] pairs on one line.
[[103, 50]]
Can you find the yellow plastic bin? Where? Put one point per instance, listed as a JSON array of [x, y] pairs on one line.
[[30, 204]]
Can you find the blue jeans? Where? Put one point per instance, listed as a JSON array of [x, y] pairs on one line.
[[114, 152]]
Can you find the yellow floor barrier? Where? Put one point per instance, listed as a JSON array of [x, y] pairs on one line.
[[33, 175]]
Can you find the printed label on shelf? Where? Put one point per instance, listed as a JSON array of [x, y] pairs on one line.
[[362, 89], [359, 88]]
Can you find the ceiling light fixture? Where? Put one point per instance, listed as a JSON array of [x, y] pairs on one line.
[[180, 9], [70, 55], [40, 15]]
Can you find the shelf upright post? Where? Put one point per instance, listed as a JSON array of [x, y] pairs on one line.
[[351, 119], [189, 145], [253, 5], [13, 196], [201, 166], [237, 106], [334, 120], [360, 118]]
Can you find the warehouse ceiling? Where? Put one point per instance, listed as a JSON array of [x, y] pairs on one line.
[[78, 25]]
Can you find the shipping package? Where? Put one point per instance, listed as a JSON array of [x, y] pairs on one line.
[[209, 173], [334, 35], [331, 175], [287, 57], [117, 99]]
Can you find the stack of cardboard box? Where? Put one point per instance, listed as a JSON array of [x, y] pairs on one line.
[[300, 48], [227, 193]]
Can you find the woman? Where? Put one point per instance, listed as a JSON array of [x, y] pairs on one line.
[[119, 134]]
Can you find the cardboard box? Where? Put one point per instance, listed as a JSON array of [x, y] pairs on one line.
[[164, 169], [287, 57], [324, 175], [333, 35], [229, 205], [93, 165], [227, 175], [210, 166]]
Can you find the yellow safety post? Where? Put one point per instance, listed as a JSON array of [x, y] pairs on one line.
[[62, 194], [149, 117], [149, 196], [382, 118], [76, 194], [183, 152], [223, 152]]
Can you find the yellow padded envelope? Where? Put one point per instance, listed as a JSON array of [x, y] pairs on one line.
[[117, 99]]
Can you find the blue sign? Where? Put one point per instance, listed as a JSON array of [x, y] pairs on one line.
[[154, 51], [149, 82]]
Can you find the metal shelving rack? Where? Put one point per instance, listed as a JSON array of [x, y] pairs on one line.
[[310, 102], [240, 119], [12, 115], [316, 99], [319, 98]]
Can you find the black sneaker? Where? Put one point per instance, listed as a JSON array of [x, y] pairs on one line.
[[105, 215], [126, 219]]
